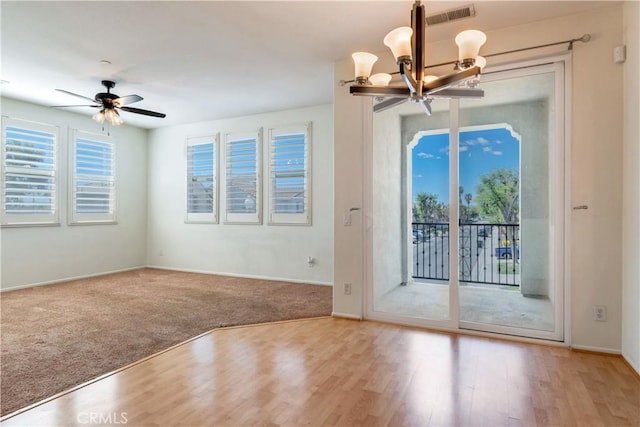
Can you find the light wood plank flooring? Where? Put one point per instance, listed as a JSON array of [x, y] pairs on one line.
[[348, 373]]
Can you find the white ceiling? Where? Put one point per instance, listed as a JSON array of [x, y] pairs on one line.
[[207, 60]]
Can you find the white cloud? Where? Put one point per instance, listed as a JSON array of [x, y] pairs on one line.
[[463, 148], [417, 176], [497, 153], [478, 141], [438, 158], [499, 142], [486, 149], [444, 150], [425, 155]]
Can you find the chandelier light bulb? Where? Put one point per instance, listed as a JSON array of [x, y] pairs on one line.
[[380, 79], [399, 41], [469, 43], [481, 62], [364, 64]]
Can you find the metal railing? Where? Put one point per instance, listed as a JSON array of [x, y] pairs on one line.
[[488, 253]]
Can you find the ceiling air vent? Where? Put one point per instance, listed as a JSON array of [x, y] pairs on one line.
[[467, 11]]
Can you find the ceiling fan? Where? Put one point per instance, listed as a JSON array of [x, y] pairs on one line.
[[109, 103]]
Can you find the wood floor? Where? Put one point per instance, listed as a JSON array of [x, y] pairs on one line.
[[347, 373]]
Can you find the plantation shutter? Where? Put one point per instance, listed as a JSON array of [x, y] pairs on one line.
[[289, 173], [243, 160], [93, 181], [202, 182], [29, 173]]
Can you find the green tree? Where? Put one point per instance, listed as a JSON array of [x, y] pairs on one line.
[[428, 208], [497, 196]]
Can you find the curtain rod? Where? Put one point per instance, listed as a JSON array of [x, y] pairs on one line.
[[584, 39]]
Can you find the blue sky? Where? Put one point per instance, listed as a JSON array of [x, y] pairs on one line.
[[481, 151]]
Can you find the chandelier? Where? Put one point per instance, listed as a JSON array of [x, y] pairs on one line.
[[407, 46]]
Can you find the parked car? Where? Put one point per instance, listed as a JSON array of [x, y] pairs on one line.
[[418, 236], [506, 252]]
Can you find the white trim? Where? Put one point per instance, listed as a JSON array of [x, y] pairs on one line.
[[68, 279], [568, 210], [597, 349], [345, 315], [245, 276], [629, 361]]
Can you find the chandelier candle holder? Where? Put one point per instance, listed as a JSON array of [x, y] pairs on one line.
[[407, 46]]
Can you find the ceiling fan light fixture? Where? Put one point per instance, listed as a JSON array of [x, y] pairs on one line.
[[112, 116], [99, 116]]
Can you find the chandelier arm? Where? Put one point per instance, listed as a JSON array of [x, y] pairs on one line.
[[458, 93], [387, 92], [449, 80], [411, 83], [388, 103], [418, 22], [426, 105]]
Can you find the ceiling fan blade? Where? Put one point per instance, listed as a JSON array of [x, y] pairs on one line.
[[126, 100], [145, 112], [67, 106], [75, 94]]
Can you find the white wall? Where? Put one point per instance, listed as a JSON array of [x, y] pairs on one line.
[[35, 255], [267, 251], [631, 190], [596, 159]]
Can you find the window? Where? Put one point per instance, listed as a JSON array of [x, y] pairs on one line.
[[289, 183], [242, 177], [202, 180], [93, 179], [29, 173]]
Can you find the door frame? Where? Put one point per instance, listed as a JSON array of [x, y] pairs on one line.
[[562, 202]]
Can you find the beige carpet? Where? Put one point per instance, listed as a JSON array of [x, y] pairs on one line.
[[58, 336]]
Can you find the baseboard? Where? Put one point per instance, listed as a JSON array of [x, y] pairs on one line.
[[245, 276], [68, 279], [600, 350], [632, 365], [346, 316]]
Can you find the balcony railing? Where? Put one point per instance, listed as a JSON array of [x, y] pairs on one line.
[[488, 253]]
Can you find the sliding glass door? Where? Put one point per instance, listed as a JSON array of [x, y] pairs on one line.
[[468, 209]]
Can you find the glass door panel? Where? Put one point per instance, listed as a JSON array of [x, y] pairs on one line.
[[410, 173], [510, 152]]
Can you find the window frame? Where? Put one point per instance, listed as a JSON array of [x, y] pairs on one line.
[[303, 218], [203, 217], [83, 218], [30, 220], [236, 217]]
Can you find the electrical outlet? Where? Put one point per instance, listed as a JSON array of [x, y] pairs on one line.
[[600, 313], [347, 288]]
